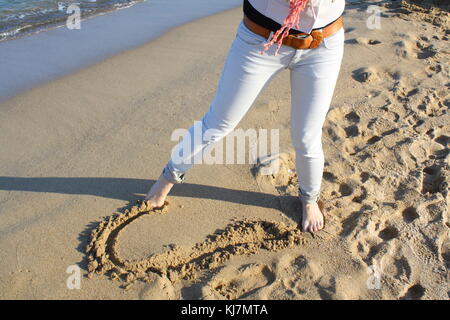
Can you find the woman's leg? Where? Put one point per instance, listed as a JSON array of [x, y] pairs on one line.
[[313, 79], [244, 75]]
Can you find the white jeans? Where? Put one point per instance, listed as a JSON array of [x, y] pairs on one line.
[[313, 75]]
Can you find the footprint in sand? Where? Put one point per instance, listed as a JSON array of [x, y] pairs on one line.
[[396, 265], [242, 283], [436, 179], [352, 131], [435, 69], [415, 292], [158, 288], [389, 233], [361, 196], [410, 214], [353, 117], [300, 273], [405, 49], [425, 50], [419, 49], [445, 251], [363, 41], [366, 74], [444, 140]]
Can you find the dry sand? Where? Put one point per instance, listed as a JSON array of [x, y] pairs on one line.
[[77, 149]]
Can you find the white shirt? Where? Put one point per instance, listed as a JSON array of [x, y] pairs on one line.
[[317, 14]]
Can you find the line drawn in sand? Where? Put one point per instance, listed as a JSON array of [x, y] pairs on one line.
[[240, 237]]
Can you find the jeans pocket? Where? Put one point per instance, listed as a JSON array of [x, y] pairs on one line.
[[335, 41], [249, 37]]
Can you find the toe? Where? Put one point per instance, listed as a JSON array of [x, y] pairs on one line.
[[316, 227], [321, 225], [305, 226]]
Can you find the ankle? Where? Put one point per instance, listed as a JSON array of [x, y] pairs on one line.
[[310, 205], [164, 182]]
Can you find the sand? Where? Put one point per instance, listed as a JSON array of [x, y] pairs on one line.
[[81, 150], [243, 237]]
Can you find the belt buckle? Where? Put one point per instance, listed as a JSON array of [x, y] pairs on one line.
[[317, 38], [311, 40], [305, 40], [301, 36]]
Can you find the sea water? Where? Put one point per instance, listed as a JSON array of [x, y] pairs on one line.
[[19, 17]]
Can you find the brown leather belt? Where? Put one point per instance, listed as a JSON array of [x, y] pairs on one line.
[[300, 40]]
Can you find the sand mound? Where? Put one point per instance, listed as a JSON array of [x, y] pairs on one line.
[[436, 12], [443, 4], [241, 237]]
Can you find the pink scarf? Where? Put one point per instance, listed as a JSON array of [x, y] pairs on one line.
[[291, 21]]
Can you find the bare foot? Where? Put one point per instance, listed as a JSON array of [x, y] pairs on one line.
[[158, 192], [312, 220]]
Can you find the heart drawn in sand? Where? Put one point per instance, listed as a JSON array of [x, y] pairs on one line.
[[240, 237]]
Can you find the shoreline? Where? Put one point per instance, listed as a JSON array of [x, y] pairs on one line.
[[45, 25], [35, 59]]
